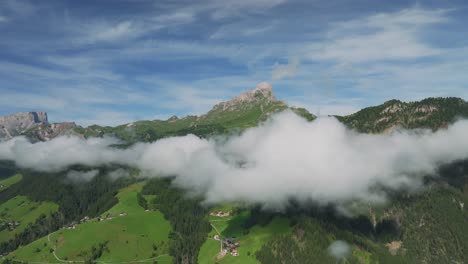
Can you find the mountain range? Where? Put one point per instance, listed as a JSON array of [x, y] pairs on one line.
[[243, 111], [118, 216]]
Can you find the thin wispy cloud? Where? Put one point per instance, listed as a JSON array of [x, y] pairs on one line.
[[384, 36], [241, 7], [197, 53], [288, 70], [20, 8]]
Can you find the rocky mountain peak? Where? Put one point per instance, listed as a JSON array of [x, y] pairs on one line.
[[45, 132], [265, 89], [15, 124], [263, 92]]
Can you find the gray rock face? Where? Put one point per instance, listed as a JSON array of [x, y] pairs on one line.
[[15, 124], [262, 93], [46, 132]]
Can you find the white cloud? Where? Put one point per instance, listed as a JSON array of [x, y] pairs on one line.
[[114, 31], [284, 158], [31, 102], [108, 32], [385, 36], [18, 8], [240, 7], [289, 70], [176, 18], [82, 176], [339, 249], [119, 173], [238, 30]]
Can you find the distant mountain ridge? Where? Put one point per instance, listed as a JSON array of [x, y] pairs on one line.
[[424, 227], [430, 113], [15, 124], [45, 132], [243, 111]]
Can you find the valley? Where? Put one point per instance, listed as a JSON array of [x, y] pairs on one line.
[[233, 132], [137, 219]]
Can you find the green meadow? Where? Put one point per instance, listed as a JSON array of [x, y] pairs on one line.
[[250, 239], [21, 209], [138, 236], [5, 183]]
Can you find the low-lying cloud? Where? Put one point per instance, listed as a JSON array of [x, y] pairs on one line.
[[339, 249], [82, 176], [286, 157]]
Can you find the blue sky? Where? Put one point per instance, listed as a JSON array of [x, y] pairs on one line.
[[112, 62]]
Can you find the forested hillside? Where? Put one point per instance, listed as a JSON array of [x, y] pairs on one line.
[[425, 227], [74, 200], [431, 113]]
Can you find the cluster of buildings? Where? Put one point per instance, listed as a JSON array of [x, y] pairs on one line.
[[220, 214], [230, 245], [111, 216], [71, 225], [85, 219], [12, 225]]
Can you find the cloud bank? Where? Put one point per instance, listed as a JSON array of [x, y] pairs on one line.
[[284, 158]]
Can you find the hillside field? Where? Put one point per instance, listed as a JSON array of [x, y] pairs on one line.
[[138, 236], [24, 211], [5, 183], [250, 239]]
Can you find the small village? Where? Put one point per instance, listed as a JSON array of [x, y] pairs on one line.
[[220, 214], [10, 225], [228, 244], [85, 219]]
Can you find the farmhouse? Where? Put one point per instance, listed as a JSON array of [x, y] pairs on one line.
[[13, 225], [109, 216], [72, 225], [230, 245], [220, 214]]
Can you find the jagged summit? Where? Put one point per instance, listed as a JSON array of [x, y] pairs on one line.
[[25, 117], [265, 89], [263, 92], [15, 124]]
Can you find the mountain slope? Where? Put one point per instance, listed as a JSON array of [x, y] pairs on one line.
[[243, 111], [431, 113], [15, 124], [45, 132], [120, 235], [427, 227]]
